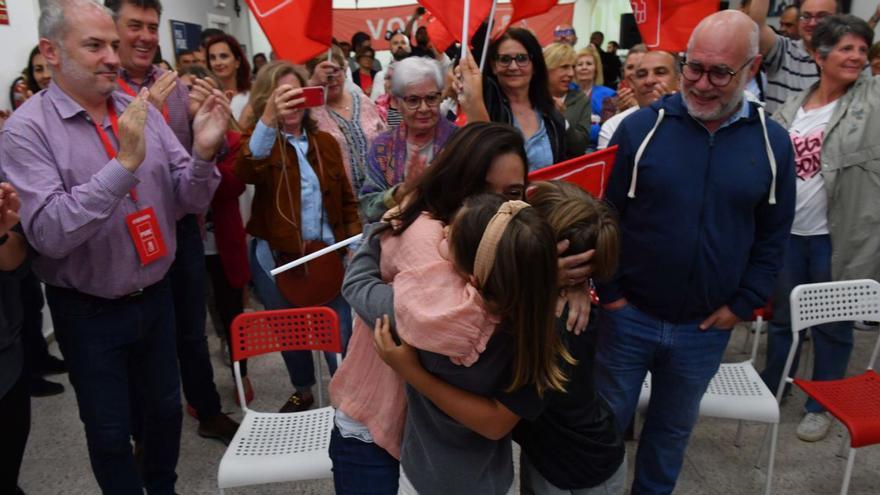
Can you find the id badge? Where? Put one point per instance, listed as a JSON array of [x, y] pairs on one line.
[[146, 235]]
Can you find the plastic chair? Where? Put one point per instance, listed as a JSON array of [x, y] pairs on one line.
[[274, 447], [854, 401], [736, 392]]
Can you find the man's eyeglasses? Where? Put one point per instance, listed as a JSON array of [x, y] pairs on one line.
[[807, 18], [718, 76], [414, 102]]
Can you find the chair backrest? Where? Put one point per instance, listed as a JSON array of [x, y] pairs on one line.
[[847, 300], [297, 329], [827, 302]]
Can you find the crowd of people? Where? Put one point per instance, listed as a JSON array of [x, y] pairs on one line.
[[146, 200]]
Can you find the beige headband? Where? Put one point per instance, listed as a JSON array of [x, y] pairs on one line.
[[485, 258]]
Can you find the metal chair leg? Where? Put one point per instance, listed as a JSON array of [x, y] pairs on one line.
[[769, 486], [319, 376], [848, 474], [764, 441], [739, 434], [844, 441]]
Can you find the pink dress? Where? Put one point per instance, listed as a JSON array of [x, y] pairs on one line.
[[436, 310]]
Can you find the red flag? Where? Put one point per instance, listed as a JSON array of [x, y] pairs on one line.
[[523, 9], [298, 30], [450, 13], [440, 37], [589, 172], [667, 24]]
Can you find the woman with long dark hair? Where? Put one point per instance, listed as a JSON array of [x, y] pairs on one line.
[[227, 61], [515, 92]]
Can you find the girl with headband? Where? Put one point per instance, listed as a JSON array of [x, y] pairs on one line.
[[507, 252], [569, 441]]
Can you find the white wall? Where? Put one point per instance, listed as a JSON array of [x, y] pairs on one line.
[[17, 40], [198, 12]]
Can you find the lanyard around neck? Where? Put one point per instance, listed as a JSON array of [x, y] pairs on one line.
[[131, 92]]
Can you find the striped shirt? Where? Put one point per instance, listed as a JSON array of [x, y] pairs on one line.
[[790, 70], [394, 117]]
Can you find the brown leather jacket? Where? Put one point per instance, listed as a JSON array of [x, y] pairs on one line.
[[265, 173]]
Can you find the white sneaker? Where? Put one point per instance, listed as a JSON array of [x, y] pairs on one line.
[[814, 426]]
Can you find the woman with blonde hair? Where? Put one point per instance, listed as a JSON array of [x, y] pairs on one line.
[[588, 76], [573, 104], [302, 201]]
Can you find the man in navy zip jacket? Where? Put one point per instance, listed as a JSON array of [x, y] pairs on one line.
[[704, 184]]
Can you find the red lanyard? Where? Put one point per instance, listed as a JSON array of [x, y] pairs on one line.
[[131, 92], [105, 139]]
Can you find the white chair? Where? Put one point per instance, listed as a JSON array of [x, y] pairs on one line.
[[855, 401], [736, 392], [275, 447]]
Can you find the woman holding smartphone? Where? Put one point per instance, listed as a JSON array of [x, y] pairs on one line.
[[302, 197]]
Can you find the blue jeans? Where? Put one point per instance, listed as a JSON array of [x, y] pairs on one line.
[[682, 360], [188, 280], [117, 351], [361, 468], [807, 260], [300, 365]]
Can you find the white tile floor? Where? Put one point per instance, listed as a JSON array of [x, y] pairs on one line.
[[56, 461]]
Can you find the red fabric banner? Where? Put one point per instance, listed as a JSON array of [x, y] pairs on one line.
[[589, 172], [667, 24], [298, 30], [523, 9], [375, 22]]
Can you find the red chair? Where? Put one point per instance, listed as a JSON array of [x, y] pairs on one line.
[[275, 447], [854, 401]]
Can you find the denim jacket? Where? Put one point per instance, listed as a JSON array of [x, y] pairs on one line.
[[851, 169]]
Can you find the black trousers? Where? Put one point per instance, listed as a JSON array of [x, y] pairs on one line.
[[15, 416]]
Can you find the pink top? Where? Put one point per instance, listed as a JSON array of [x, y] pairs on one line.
[[441, 313]]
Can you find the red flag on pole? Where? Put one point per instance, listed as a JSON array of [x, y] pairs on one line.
[[667, 24], [298, 30], [450, 13]]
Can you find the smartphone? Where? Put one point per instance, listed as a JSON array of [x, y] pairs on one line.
[[314, 96]]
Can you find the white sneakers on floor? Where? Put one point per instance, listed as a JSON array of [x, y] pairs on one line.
[[814, 426]]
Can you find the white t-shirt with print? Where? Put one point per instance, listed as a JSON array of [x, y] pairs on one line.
[[807, 134]]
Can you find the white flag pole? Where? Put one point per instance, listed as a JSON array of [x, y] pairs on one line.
[[317, 254], [488, 35], [465, 24]]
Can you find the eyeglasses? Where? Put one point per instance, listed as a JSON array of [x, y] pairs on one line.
[[718, 76], [807, 18], [521, 59], [564, 32], [413, 102]]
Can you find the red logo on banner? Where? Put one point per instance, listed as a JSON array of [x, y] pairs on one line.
[[4, 13], [667, 24]]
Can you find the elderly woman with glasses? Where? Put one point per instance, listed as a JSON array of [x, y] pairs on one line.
[[399, 156], [834, 126]]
